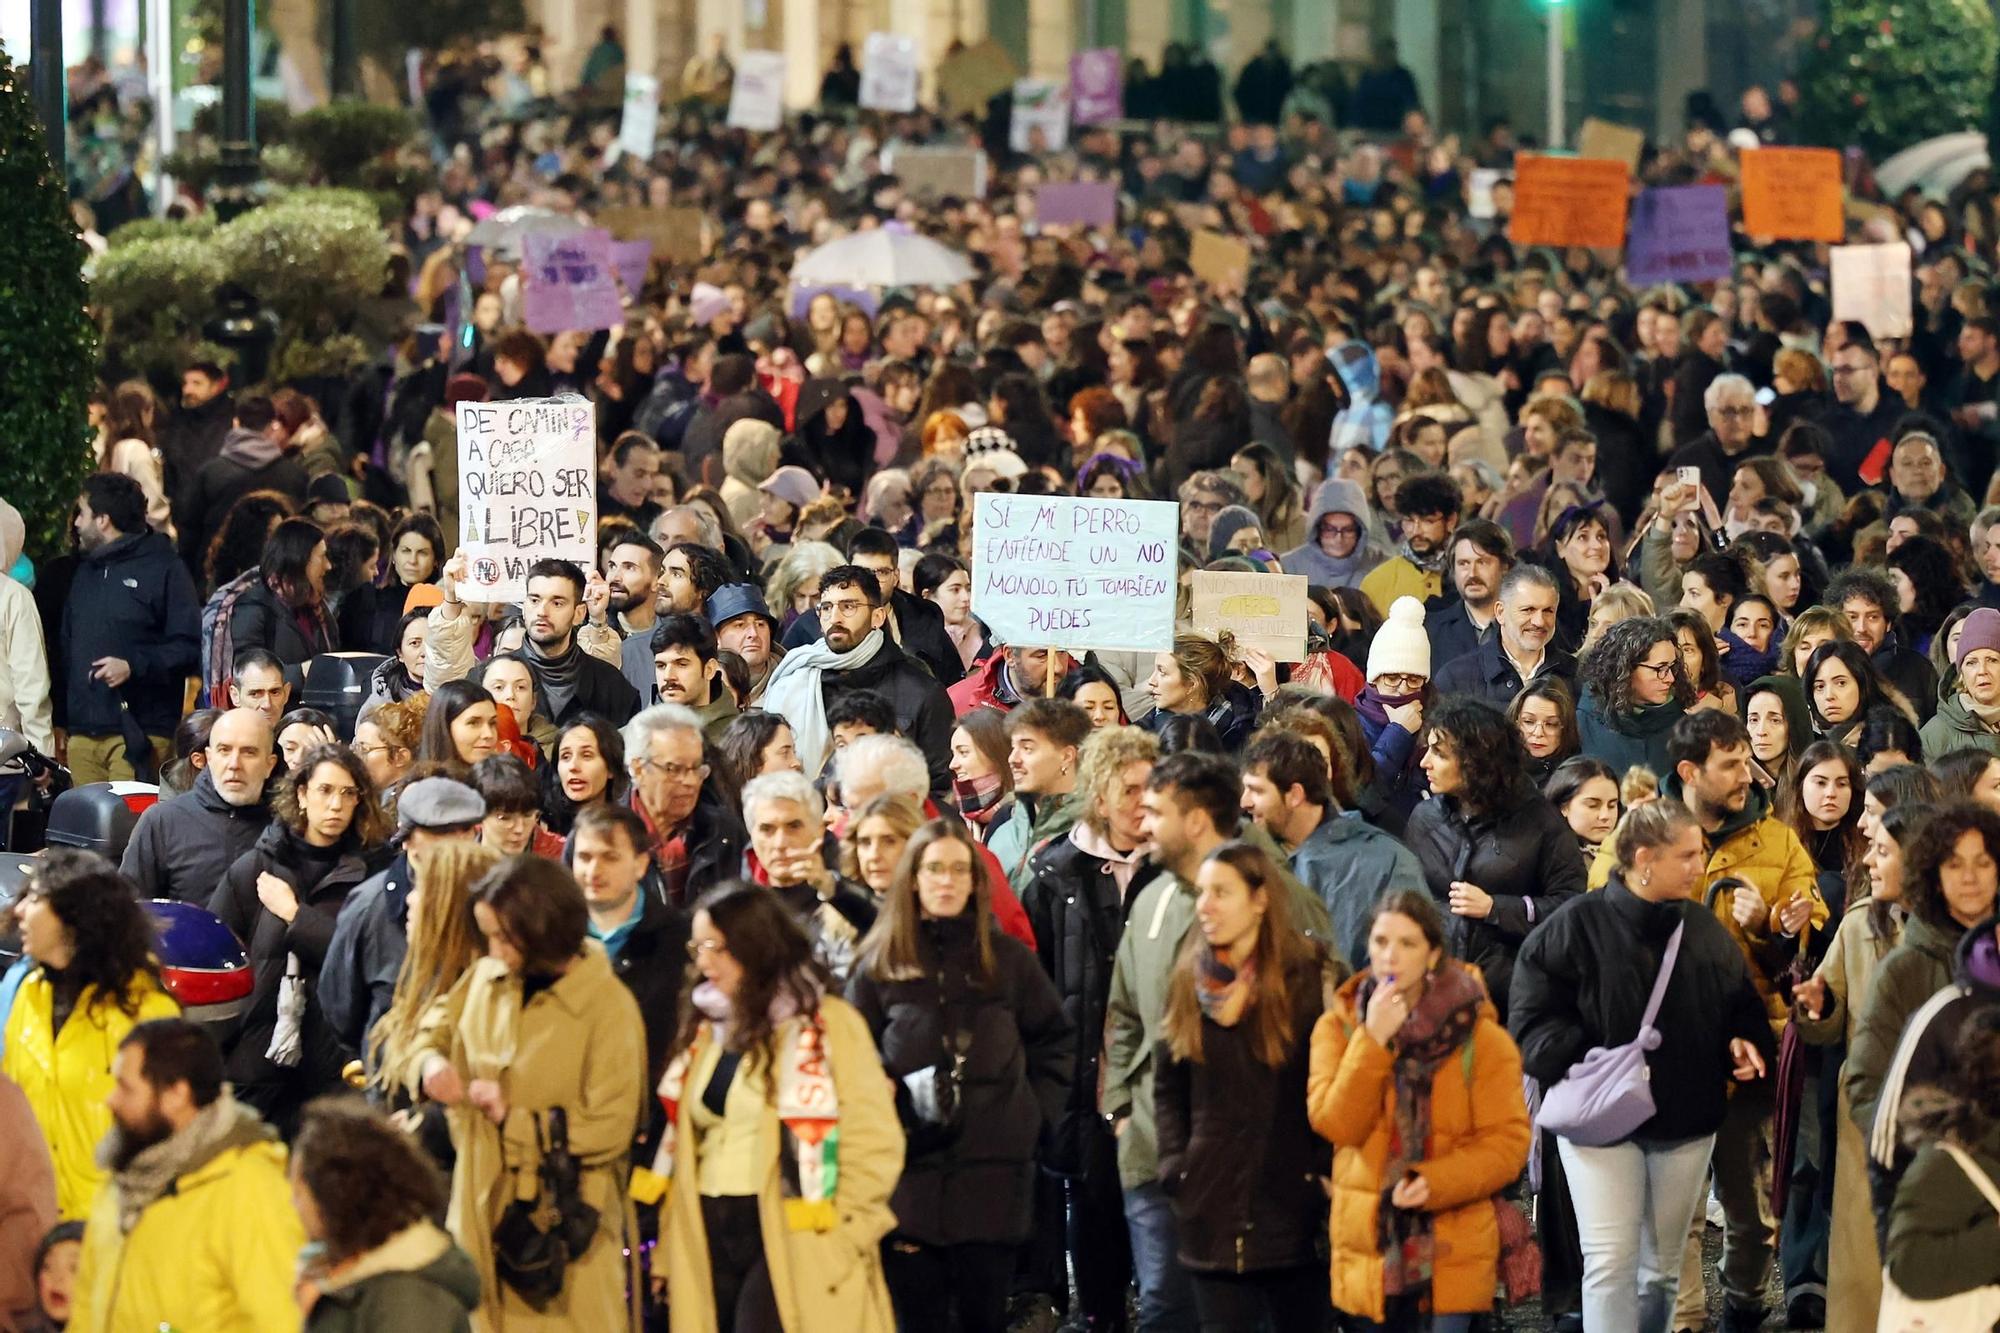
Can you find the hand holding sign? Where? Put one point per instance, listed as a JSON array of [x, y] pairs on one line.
[[527, 491]]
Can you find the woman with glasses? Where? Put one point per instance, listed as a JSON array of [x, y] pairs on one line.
[[1338, 552], [281, 898], [974, 1035], [1633, 693], [780, 1128], [1543, 714]]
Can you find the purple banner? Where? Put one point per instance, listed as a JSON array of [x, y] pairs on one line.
[[1092, 203], [630, 260], [568, 282], [1679, 234], [1096, 86]]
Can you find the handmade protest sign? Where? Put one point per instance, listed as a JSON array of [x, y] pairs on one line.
[[1793, 194], [1041, 116], [676, 232], [1076, 572], [935, 173], [1569, 201], [1479, 193], [1263, 611], [569, 282], [888, 73], [640, 125], [1871, 283], [974, 75], [1611, 142], [757, 96], [631, 260], [1092, 203], [1679, 234], [527, 490], [1220, 260], [1097, 85]]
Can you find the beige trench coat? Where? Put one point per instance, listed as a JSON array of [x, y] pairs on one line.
[[825, 1281], [580, 1045]]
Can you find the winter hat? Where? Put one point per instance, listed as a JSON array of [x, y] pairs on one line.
[[330, 489], [707, 304], [794, 485], [991, 448], [464, 388], [750, 450], [1232, 520], [439, 804], [1981, 630], [1401, 647]]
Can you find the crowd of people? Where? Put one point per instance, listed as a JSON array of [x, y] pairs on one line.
[[732, 936]]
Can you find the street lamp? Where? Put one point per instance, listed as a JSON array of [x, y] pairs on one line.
[[1556, 95]]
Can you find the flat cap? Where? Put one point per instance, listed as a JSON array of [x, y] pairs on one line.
[[439, 803]]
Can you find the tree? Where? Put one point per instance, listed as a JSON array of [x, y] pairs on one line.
[[48, 346], [1885, 74]]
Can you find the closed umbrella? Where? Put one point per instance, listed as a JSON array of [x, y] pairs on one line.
[[880, 257]]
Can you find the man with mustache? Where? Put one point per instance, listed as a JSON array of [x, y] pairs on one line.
[[1461, 620]]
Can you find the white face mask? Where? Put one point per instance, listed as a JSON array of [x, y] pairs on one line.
[[1810, 489]]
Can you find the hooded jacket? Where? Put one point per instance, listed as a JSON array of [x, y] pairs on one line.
[[846, 456], [416, 1279], [249, 461], [131, 598], [1350, 864], [749, 456], [1956, 727], [181, 848], [24, 684], [1335, 496]]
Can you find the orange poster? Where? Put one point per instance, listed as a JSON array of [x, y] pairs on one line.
[[1569, 201], [1793, 194]]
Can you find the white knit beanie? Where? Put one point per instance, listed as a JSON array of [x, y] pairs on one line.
[[1401, 646]]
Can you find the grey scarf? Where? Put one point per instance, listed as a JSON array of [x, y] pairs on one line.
[[558, 676], [223, 1124]]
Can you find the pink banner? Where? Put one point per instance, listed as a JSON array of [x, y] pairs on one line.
[[1096, 86], [568, 282]]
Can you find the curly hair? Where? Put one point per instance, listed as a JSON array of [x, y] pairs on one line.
[[369, 827], [238, 544], [1933, 846], [1933, 571], [111, 937], [1493, 765], [1606, 668], [1106, 753], [368, 1180]]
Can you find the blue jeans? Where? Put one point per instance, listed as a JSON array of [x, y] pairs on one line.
[[1633, 1206], [1166, 1296]]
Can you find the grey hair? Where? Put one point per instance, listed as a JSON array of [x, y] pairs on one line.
[[1722, 384], [1985, 519], [786, 786], [659, 720], [806, 562], [896, 762], [1526, 574], [708, 528]]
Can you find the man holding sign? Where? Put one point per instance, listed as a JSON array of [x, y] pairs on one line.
[[568, 680]]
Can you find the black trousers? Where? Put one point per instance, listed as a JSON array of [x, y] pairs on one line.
[[1100, 1246], [928, 1282], [744, 1301], [1271, 1300]]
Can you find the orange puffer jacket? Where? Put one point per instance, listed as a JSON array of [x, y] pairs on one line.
[[1479, 1143]]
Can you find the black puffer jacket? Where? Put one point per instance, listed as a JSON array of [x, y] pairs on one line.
[[1019, 1049], [1078, 916], [1524, 855], [652, 962], [1582, 980], [322, 879], [1237, 1155], [260, 620], [845, 456]]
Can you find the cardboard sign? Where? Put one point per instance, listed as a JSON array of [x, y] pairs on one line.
[[1871, 283], [568, 281], [1075, 572], [936, 173], [631, 260], [1566, 201], [1220, 261], [640, 125], [676, 233], [757, 97], [1097, 86], [1679, 234], [974, 75], [1479, 193], [1612, 143], [1041, 116], [527, 490], [888, 73], [1793, 194], [1092, 203], [1263, 611]]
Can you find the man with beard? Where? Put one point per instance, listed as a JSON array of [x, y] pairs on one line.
[[744, 626], [915, 623], [689, 575], [686, 672], [855, 653], [195, 1228], [1497, 669], [1869, 601], [568, 679], [632, 563], [1429, 503], [1481, 553], [194, 434], [181, 847]]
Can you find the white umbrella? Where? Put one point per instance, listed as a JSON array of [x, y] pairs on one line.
[[1935, 166], [501, 234], [882, 258]]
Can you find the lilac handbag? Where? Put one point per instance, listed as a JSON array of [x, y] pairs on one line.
[[1608, 1094]]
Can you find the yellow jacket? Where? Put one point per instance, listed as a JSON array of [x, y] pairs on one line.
[[218, 1252], [68, 1075], [1399, 578]]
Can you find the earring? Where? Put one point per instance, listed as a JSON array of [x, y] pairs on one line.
[[1646, 880]]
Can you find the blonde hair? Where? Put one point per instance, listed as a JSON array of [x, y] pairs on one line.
[[443, 944], [1106, 753], [905, 813], [1623, 601], [1207, 661]]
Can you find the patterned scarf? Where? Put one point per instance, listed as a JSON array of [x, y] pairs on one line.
[[808, 1107], [1224, 992], [977, 799], [1439, 1025]]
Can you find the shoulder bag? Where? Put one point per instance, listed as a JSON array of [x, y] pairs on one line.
[[1608, 1094]]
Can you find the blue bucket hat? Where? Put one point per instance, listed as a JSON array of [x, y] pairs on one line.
[[738, 599]]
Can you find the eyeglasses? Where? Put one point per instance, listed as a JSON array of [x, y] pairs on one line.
[[1202, 506], [1734, 411], [845, 607], [1660, 670], [935, 870], [697, 949], [676, 772], [1400, 682], [327, 791], [1339, 530]]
